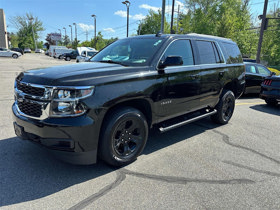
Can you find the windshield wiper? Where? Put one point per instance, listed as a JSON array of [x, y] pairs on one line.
[[111, 61]]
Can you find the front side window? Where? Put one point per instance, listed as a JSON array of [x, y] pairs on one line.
[[130, 52], [180, 48], [251, 69]]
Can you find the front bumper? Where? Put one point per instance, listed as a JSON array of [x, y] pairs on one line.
[[74, 140]]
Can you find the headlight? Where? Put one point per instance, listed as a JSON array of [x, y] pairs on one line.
[[67, 102]]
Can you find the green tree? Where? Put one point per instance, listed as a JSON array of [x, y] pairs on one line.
[[152, 24], [25, 24]]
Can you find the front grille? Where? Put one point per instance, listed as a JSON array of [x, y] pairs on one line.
[[31, 109], [30, 90]]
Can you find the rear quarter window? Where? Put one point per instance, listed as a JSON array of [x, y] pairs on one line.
[[233, 54]]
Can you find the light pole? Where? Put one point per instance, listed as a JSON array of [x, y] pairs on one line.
[[60, 33], [94, 16], [71, 34], [127, 3], [64, 35], [75, 31], [31, 20]]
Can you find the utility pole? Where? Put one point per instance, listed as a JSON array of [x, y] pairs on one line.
[[162, 16], [262, 30], [178, 16], [172, 15], [31, 20]]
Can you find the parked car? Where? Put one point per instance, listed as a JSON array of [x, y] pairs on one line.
[[71, 55], [107, 106], [27, 50], [17, 50], [270, 90], [276, 71], [4, 52], [85, 55], [254, 76], [39, 51]]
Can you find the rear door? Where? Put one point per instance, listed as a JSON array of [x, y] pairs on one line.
[[212, 71]]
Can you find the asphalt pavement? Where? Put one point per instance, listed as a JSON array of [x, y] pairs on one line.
[[198, 166]]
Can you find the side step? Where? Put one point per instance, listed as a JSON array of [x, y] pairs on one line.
[[176, 125]]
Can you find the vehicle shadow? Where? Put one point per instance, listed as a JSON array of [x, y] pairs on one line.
[[28, 172], [274, 110]]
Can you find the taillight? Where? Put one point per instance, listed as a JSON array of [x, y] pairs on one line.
[[267, 82]]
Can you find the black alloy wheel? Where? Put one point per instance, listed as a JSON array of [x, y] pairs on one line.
[[124, 136], [224, 108]]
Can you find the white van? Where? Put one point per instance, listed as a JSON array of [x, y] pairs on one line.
[[85, 53], [58, 52], [52, 47]]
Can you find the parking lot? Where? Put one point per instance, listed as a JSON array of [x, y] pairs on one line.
[[198, 166]]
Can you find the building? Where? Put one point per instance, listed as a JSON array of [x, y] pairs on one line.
[[3, 30]]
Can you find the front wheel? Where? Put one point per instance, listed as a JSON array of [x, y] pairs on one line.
[[68, 58], [124, 136], [224, 108]]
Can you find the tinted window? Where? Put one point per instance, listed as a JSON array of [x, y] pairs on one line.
[[180, 48], [206, 52], [262, 70], [251, 69], [233, 53]]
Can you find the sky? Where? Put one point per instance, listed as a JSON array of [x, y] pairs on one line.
[[110, 14]]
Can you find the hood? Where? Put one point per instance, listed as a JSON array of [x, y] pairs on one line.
[[82, 74]]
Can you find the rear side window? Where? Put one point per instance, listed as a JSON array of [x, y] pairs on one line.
[[233, 53], [207, 52], [263, 71], [180, 48]]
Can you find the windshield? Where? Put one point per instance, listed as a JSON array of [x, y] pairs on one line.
[[91, 53], [130, 52]]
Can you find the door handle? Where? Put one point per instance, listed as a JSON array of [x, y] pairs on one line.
[[194, 77], [221, 73]]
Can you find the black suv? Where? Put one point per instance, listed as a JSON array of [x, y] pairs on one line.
[[17, 50], [107, 106], [71, 55]]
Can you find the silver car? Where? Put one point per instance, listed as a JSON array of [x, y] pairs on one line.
[[4, 52]]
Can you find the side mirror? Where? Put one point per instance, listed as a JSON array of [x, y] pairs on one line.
[[171, 61], [272, 73]]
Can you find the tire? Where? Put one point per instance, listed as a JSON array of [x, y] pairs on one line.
[[59, 57], [271, 102], [123, 137], [68, 58], [15, 56], [224, 108]]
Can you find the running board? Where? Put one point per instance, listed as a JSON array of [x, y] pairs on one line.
[[164, 129]]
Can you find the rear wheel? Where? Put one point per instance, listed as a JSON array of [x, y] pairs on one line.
[[271, 102], [123, 137], [15, 56], [224, 108], [68, 58]]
